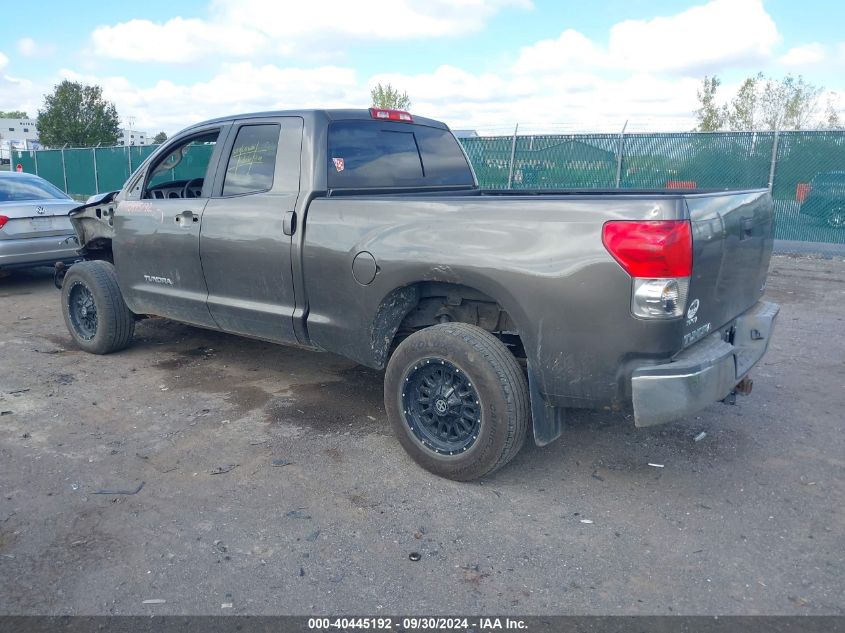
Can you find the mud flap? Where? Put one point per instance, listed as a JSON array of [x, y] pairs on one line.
[[548, 420]]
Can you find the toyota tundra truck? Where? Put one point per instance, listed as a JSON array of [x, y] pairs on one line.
[[364, 233]]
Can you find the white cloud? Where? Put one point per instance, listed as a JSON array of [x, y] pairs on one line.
[[15, 93], [805, 55], [494, 103], [571, 49], [27, 47], [371, 19], [18, 94], [176, 41], [488, 101], [242, 28], [644, 71], [715, 35], [239, 87], [448, 83]]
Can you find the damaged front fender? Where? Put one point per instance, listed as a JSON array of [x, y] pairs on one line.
[[93, 222]]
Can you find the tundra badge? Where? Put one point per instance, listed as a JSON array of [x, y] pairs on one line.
[[158, 280]]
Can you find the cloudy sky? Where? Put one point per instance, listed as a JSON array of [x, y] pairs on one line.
[[483, 64]]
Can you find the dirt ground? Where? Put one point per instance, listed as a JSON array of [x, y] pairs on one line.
[[270, 484]]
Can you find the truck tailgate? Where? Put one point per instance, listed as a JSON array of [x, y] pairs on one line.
[[732, 243]]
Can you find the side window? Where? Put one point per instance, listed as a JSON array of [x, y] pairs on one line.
[[253, 161], [181, 173]]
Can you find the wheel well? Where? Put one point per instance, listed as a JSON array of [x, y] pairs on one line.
[[98, 248], [421, 305]]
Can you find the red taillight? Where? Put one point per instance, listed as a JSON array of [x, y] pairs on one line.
[[3, 220], [653, 249], [390, 115]]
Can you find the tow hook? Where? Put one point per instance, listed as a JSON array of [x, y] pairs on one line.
[[743, 387]]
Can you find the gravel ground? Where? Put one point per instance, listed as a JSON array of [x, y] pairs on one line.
[[270, 484]]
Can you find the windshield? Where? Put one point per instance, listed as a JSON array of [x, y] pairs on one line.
[[23, 188]]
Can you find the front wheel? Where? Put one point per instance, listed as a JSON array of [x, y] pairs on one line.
[[93, 307], [457, 399]]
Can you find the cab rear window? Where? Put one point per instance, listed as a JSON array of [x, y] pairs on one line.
[[384, 155]]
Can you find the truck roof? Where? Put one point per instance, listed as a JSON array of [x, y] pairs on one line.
[[336, 114]]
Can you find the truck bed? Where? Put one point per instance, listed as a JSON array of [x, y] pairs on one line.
[[539, 254]]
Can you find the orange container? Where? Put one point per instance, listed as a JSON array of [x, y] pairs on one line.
[[680, 184]]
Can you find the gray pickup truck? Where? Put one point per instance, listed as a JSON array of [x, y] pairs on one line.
[[364, 233]]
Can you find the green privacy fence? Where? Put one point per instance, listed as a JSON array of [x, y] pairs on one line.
[[805, 170], [718, 160], [82, 172]]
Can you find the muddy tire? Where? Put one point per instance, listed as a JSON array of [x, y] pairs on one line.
[[457, 399], [93, 307]]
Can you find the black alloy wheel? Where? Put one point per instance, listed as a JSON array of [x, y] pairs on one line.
[[441, 406], [82, 310]]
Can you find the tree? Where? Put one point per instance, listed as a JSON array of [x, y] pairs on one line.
[[389, 98], [77, 115], [742, 112], [159, 138], [710, 116], [13, 114], [789, 103], [831, 114], [760, 103]]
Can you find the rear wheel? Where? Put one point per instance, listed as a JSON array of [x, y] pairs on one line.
[[93, 307], [457, 399]]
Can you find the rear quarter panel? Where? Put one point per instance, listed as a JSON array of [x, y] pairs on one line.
[[541, 258]]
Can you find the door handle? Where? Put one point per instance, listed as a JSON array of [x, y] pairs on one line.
[[747, 228], [289, 223], [187, 217]]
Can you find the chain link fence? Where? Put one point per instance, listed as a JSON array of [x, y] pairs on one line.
[[805, 170], [81, 172]]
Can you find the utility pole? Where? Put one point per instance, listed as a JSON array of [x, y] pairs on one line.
[[513, 156]]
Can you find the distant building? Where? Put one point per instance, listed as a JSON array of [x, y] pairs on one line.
[[22, 134], [132, 137], [17, 134], [465, 133]]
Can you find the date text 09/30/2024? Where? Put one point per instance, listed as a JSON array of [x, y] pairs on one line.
[[480, 625]]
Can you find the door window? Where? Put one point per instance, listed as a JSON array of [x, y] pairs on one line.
[[181, 173], [253, 160]]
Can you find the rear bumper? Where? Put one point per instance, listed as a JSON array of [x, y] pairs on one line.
[[703, 373], [36, 251]]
